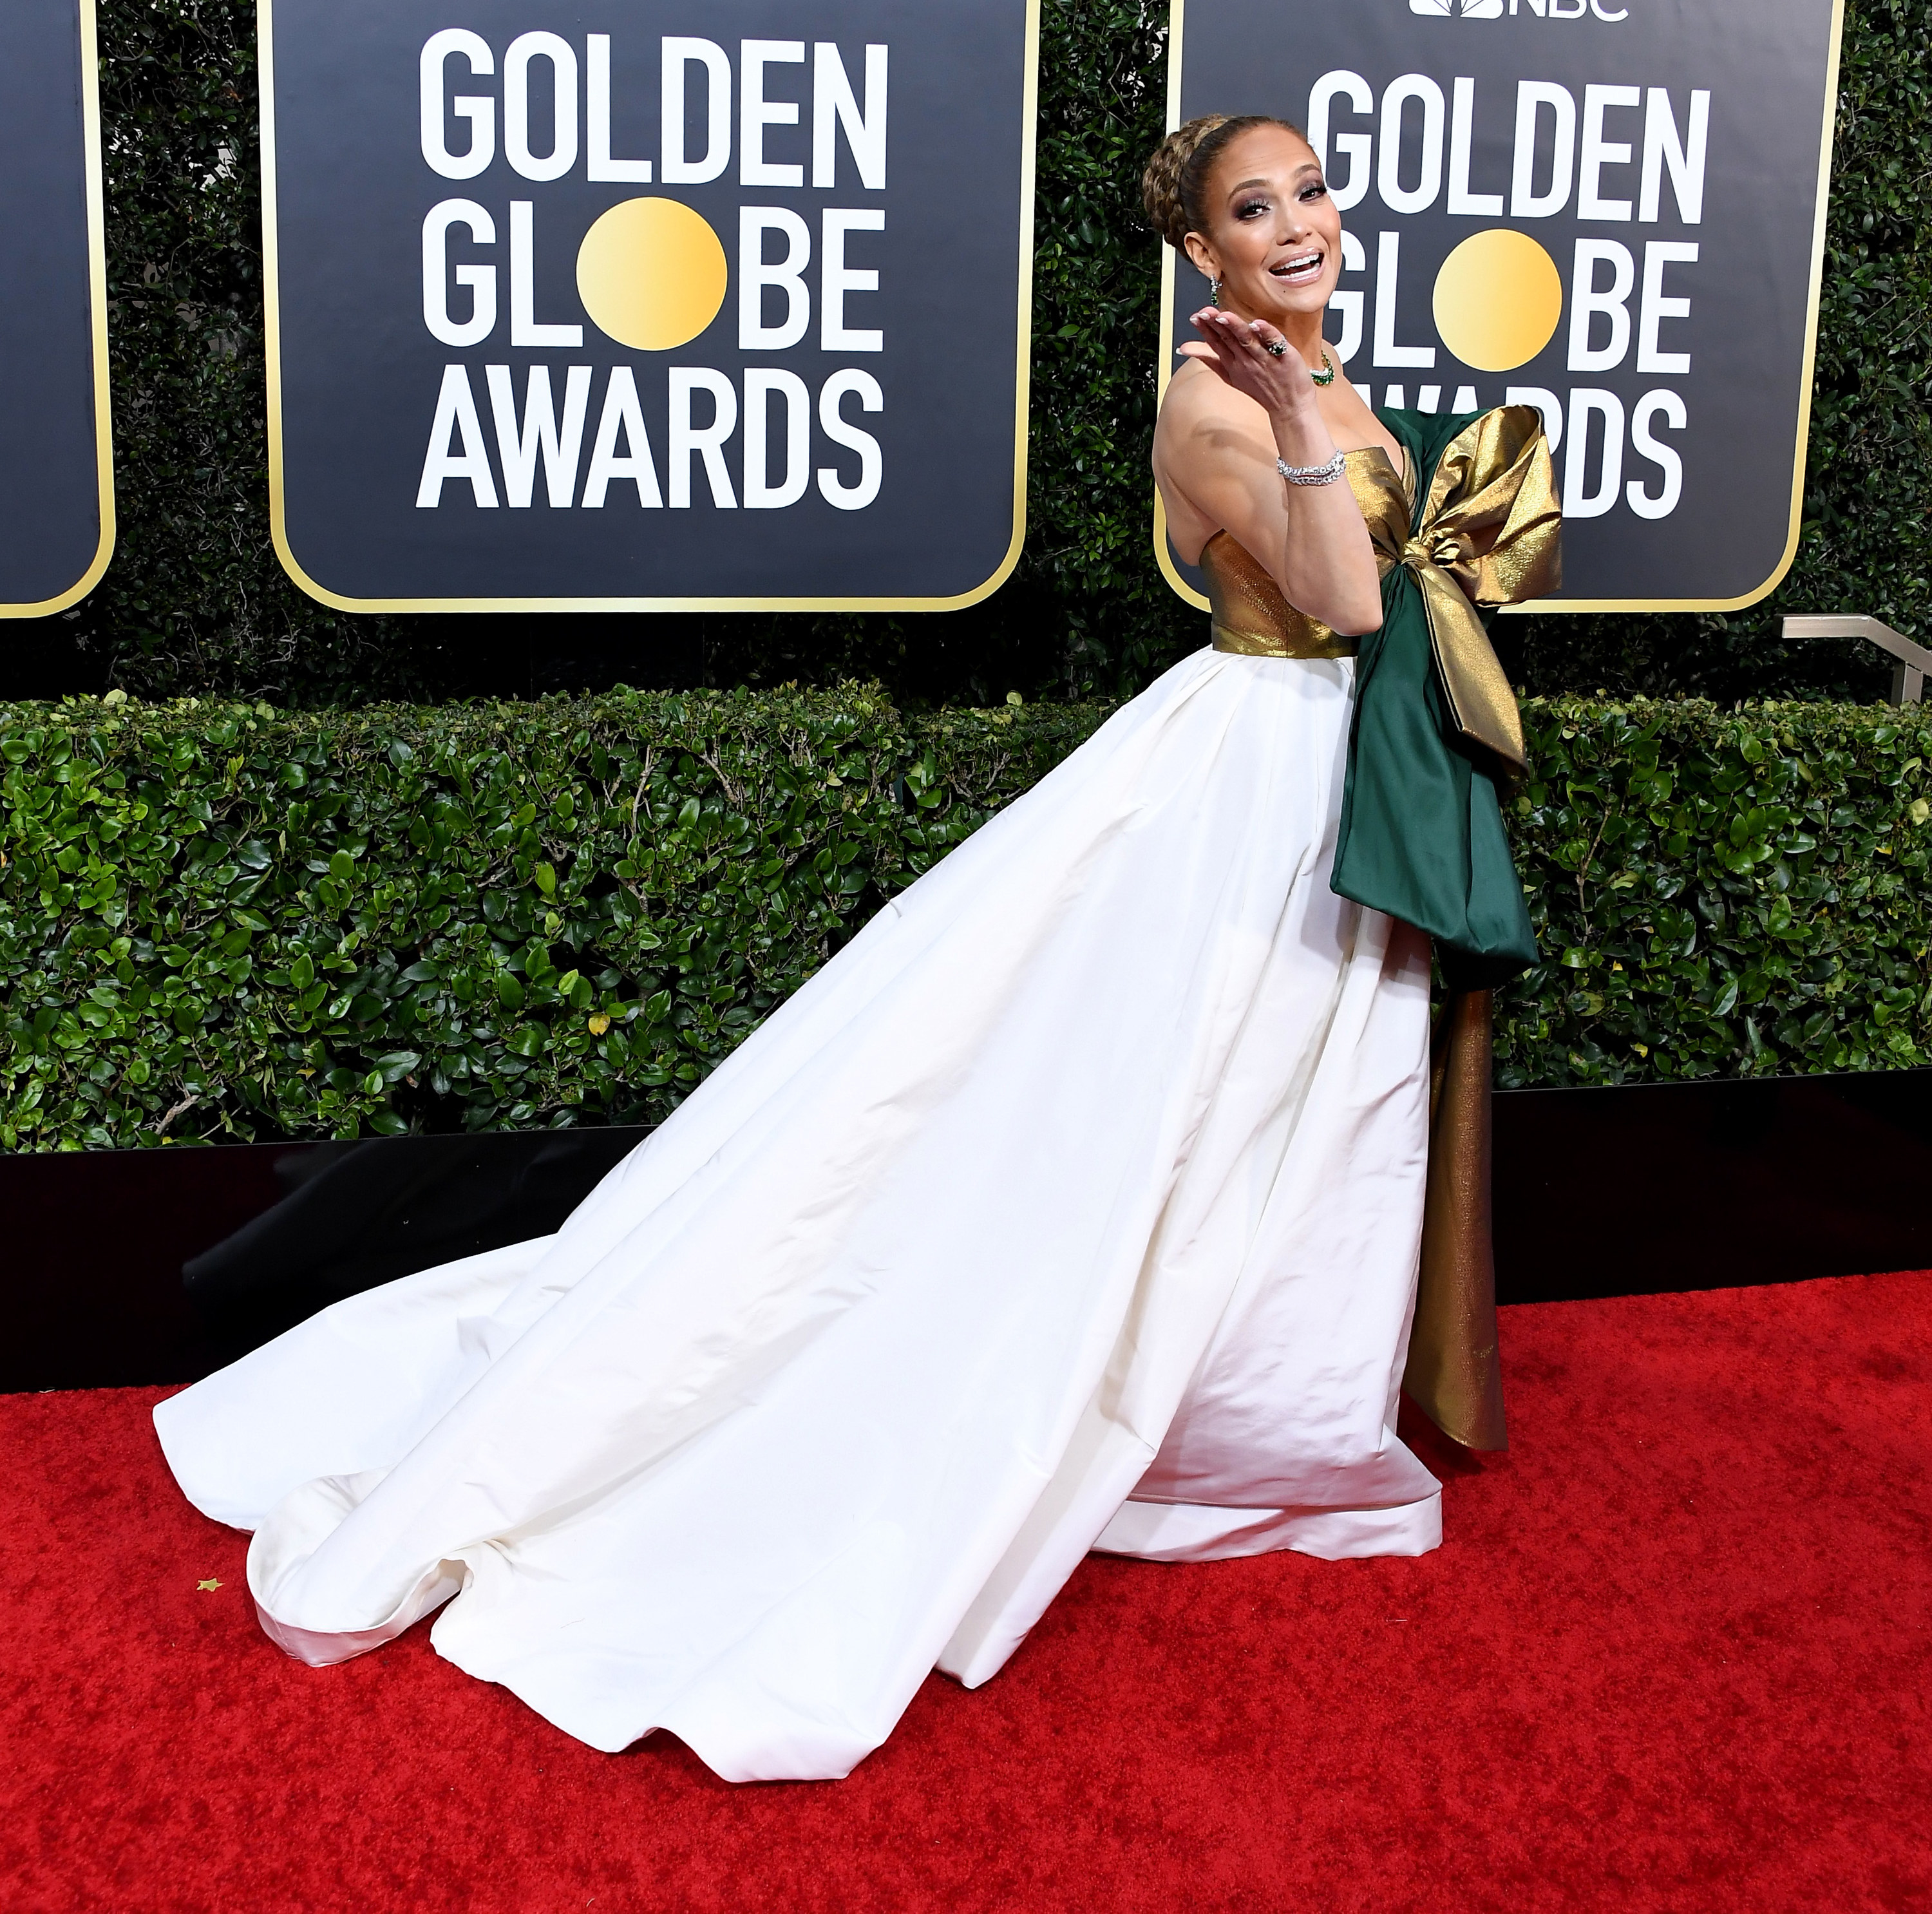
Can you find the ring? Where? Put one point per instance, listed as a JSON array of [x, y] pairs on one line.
[[1277, 346]]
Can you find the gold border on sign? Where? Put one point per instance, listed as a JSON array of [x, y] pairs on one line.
[[1801, 447], [1162, 552], [272, 348], [96, 296]]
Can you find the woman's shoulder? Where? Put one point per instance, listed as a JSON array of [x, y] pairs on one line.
[[1194, 392], [1202, 416]]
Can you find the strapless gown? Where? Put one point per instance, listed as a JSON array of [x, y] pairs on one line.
[[1074, 1205]]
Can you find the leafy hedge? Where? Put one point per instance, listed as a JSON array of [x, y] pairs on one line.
[[221, 920], [1722, 893], [195, 602]]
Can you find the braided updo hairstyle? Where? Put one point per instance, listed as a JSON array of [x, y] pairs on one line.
[[1174, 187]]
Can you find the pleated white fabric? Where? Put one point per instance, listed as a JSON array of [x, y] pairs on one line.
[[1091, 1169]]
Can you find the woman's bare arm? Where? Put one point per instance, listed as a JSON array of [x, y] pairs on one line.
[[1219, 438]]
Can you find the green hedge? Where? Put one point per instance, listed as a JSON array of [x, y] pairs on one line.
[[195, 602], [224, 921], [219, 920], [1721, 893]]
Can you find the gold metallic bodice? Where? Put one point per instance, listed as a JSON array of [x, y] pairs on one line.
[[1252, 617]]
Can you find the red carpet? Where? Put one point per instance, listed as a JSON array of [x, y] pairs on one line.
[[1674, 1655]]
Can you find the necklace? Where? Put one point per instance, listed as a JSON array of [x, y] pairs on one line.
[[1326, 376]]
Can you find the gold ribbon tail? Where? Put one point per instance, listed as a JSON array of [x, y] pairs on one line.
[[1481, 705], [1454, 1372]]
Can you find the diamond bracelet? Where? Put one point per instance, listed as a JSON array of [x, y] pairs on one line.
[[1325, 474]]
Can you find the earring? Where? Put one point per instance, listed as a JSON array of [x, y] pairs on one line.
[[1213, 292]]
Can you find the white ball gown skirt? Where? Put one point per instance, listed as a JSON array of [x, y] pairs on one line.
[[1075, 1205]]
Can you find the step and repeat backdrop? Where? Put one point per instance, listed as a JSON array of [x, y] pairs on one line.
[[56, 475], [1612, 209], [574, 306], [648, 305]]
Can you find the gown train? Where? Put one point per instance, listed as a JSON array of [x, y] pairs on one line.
[[1074, 1203]]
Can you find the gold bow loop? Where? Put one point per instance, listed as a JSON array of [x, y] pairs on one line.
[[1490, 532]]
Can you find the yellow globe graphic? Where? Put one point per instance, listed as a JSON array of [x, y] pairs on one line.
[[1497, 300], [651, 273]]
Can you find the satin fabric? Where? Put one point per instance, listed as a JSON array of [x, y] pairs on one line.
[[1422, 832], [1075, 1203]]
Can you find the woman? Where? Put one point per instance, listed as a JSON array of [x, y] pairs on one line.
[[1074, 1204]]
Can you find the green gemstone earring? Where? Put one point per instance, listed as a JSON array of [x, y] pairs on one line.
[[1326, 376], [1214, 292]]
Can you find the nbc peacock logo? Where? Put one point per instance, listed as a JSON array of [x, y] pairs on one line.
[[1494, 10]]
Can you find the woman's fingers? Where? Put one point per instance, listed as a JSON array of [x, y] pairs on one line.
[[1216, 324], [1250, 355], [1261, 341], [1233, 345]]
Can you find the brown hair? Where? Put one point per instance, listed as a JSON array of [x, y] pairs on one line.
[[1174, 186]]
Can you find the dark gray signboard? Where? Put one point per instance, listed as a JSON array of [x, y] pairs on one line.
[[648, 305], [1612, 209], [56, 478]]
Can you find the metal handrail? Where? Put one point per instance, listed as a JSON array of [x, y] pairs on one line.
[[1908, 674]]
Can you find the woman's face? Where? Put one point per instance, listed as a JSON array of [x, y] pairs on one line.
[[1274, 236]]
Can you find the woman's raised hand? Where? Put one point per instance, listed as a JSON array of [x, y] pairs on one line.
[[1238, 351]]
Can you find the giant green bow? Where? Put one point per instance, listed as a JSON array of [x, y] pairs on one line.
[[1436, 723]]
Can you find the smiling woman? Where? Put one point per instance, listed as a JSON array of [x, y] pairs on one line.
[[1438, 513], [1441, 513], [1074, 1204], [1246, 199], [955, 1270]]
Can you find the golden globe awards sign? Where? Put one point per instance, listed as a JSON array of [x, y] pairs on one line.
[[56, 478], [1612, 209], [647, 306]]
